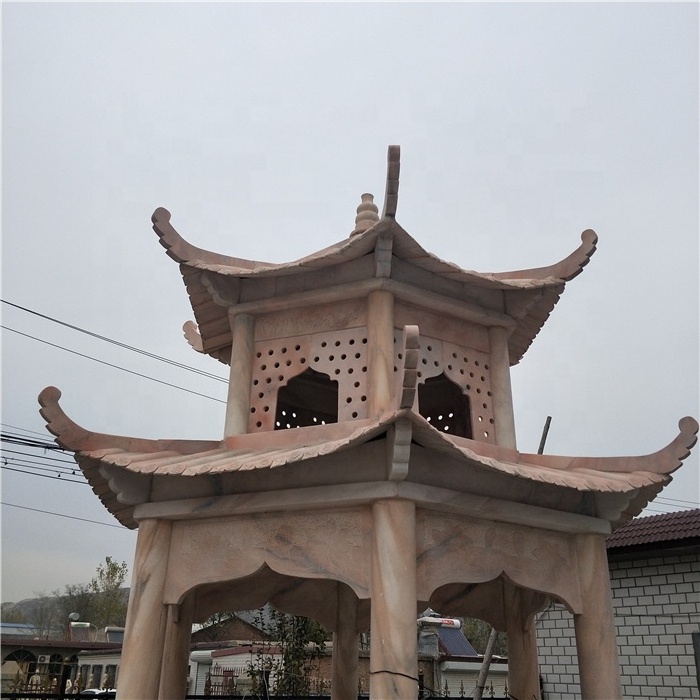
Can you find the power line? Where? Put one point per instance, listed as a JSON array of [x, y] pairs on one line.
[[46, 476], [46, 457], [38, 466], [60, 515], [109, 364], [29, 460], [665, 512], [117, 342], [29, 442], [24, 430], [673, 501]]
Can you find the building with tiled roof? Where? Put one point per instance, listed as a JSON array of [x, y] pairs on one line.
[[681, 529], [654, 567]]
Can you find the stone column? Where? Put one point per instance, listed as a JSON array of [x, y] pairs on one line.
[[596, 642], [380, 350], [142, 652], [240, 376], [346, 646], [502, 396], [393, 661], [523, 669], [176, 650]]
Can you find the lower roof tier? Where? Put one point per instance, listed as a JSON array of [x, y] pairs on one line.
[[399, 446]]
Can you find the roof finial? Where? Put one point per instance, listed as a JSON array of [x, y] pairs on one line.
[[391, 195], [367, 214]]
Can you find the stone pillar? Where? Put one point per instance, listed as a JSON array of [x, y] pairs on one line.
[[380, 350], [393, 661], [346, 646], [502, 399], [144, 638], [176, 650], [240, 376], [596, 642], [523, 669]]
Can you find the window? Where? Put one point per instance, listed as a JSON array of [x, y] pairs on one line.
[[442, 403], [310, 398]]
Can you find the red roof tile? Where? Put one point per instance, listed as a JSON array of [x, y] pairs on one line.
[[668, 527]]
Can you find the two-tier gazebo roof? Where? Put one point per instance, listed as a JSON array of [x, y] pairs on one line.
[[368, 466]]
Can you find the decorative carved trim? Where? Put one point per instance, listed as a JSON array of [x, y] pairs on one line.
[[130, 488], [192, 336], [391, 194], [399, 450], [224, 291], [411, 356]]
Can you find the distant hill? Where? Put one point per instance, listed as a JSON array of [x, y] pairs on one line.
[[40, 611]]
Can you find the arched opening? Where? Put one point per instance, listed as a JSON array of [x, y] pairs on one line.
[[17, 668], [442, 403], [310, 398]]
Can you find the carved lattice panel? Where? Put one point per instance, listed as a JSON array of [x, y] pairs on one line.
[[342, 355], [467, 368]]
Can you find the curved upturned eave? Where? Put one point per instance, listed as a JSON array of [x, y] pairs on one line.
[[564, 270], [212, 335], [640, 478], [91, 449], [662, 462], [183, 252], [71, 436], [358, 245]]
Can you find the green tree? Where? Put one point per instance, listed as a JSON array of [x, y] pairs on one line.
[[109, 600], [301, 641]]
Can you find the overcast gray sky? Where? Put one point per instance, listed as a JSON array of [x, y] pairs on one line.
[[258, 126]]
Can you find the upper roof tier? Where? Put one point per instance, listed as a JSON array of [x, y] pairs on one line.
[[379, 254]]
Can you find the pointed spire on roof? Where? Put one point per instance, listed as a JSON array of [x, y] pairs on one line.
[[367, 214]]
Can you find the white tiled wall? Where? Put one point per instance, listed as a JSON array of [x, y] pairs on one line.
[[657, 606]]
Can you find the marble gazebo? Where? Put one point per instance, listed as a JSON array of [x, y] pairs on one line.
[[368, 467]]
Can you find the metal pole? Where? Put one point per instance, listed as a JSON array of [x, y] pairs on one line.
[[545, 431], [484, 672]]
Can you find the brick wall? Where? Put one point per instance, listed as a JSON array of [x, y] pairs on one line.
[[657, 606]]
